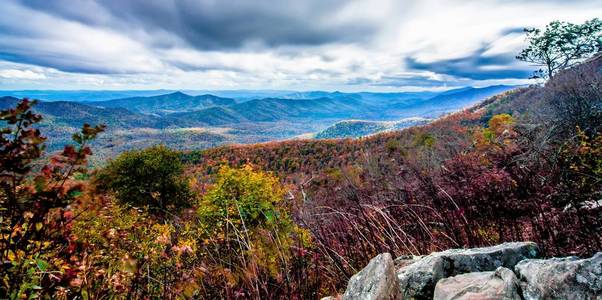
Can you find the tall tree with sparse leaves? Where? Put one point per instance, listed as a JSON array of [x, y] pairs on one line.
[[561, 45]]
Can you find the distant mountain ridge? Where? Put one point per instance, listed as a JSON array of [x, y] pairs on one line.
[[167, 103], [196, 122], [178, 109], [338, 105], [81, 95], [66, 113]]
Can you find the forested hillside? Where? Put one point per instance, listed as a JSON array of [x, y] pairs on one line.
[[523, 165], [359, 128]]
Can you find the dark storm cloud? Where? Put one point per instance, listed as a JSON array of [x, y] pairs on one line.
[[473, 66], [218, 25]]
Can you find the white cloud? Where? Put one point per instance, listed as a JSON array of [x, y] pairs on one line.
[[39, 38], [89, 46], [21, 74]]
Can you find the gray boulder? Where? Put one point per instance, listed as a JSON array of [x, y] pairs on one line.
[[561, 278], [377, 281], [501, 284], [406, 260], [417, 280]]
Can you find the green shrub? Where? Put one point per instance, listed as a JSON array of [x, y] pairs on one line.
[[151, 178]]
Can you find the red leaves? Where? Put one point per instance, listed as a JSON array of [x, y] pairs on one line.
[[41, 197], [69, 152]]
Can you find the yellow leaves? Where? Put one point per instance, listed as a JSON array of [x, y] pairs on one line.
[[501, 122], [12, 257], [192, 181], [128, 264], [304, 236], [499, 133], [245, 222], [240, 196], [189, 289], [163, 232]]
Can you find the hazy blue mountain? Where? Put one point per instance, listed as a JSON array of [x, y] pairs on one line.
[[242, 95], [366, 98], [468, 96], [340, 106], [167, 103], [445, 102], [81, 95], [213, 116], [182, 110], [63, 113], [274, 110], [104, 95]]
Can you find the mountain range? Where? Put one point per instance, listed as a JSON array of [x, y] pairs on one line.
[[167, 103], [185, 121]]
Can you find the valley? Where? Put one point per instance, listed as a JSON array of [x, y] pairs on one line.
[[186, 122]]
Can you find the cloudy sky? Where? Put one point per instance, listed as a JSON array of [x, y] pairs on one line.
[[380, 45]]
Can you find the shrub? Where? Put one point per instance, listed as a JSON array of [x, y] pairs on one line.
[[245, 226], [393, 145], [34, 212], [499, 126], [151, 178], [575, 97], [245, 196], [580, 188], [126, 254]]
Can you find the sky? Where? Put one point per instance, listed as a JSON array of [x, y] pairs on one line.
[[362, 45]]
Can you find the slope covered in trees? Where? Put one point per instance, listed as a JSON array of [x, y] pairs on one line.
[[360, 128], [523, 165]]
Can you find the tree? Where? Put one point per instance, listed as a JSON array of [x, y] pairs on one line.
[[561, 45], [151, 178]]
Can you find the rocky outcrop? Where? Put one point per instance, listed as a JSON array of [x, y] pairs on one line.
[[506, 271], [500, 284], [418, 280], [561, 278], [376, 281]]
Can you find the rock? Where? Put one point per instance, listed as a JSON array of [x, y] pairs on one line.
[[377, 281], [561, 278], [418, 280], [405, 260], [501, 284]]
